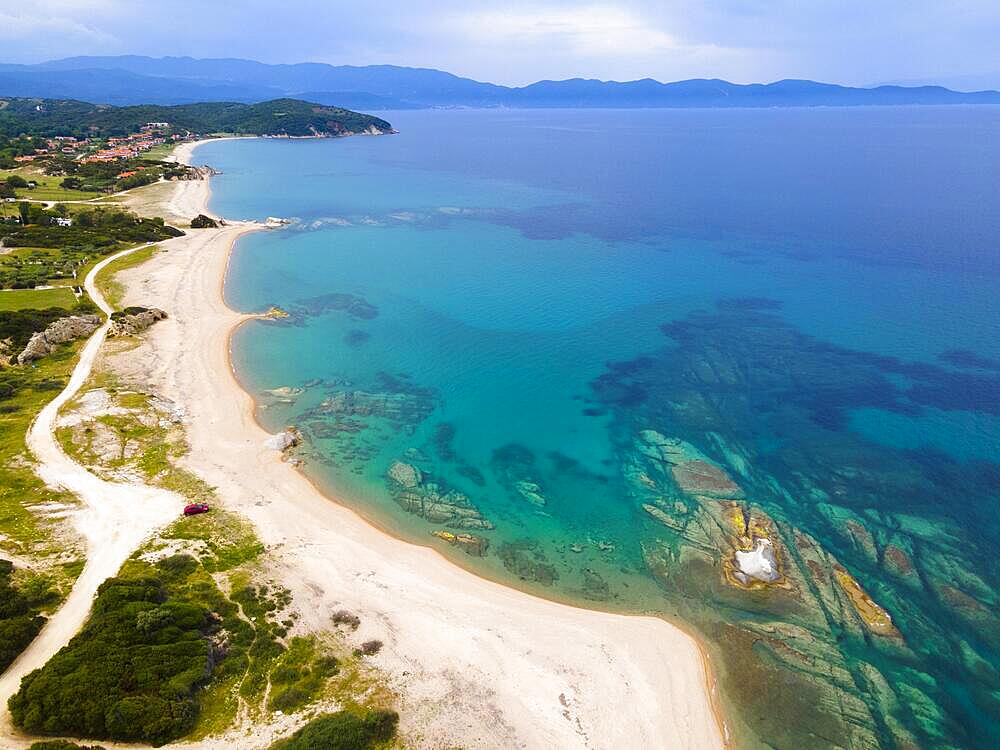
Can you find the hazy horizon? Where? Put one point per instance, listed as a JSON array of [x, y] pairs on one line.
[[515, 43]]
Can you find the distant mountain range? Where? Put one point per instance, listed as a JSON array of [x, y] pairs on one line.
[[134, 79]]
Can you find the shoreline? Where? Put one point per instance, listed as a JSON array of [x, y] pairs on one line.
[[655, 667]]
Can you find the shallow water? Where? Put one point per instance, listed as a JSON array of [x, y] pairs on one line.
[[804, 301]]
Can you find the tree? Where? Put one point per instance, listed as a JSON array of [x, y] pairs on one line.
[[203, 222], [71, 183], [24, 211], [16, 181]]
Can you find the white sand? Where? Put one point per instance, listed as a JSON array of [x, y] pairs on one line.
[[476, 664]]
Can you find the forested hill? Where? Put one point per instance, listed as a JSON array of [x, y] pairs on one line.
[[279, 117]]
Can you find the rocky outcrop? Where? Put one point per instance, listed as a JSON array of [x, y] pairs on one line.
[[59, 332], [414, 492], [468, 543], [133, 320], [6, 355], [284, 440], [203, 222]]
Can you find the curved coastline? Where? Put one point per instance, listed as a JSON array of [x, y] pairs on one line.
[[663, 672]]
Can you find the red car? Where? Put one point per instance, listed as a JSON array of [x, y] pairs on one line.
[[195, 508]]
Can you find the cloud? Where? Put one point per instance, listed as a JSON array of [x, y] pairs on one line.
[[586, 30], [601, 40], [53, 27]]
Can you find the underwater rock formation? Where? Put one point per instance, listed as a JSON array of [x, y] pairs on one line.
[[515, 469], [468, 543], [884, 623], [413, 491]]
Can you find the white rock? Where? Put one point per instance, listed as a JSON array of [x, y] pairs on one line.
[[759, 563]]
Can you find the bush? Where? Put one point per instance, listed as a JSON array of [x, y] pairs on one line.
[[62, 745], [368, 648], [343, 617], [19, 620], [203, 222], [344, 730], [131, 674]]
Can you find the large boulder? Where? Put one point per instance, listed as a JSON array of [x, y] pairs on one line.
[[133, 320], [58, 332]]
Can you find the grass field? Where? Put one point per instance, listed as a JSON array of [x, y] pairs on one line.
[[21, 531], [161, 152], [36, 299], [48, 187]]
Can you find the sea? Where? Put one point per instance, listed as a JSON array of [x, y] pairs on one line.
[[567, 348]]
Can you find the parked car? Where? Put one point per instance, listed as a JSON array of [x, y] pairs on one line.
[[195, 508]]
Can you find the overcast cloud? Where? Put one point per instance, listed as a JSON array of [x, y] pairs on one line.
[[846, 41]]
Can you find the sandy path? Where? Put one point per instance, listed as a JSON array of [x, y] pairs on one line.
[[477, 664], [113, 518]]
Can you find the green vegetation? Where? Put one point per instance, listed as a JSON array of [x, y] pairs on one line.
[[57, 117], [132, 672], [62, 745], [165, 652], [37, 299], [344, 730], [46, 187], [23, 392], [203, 222], [16, 327], [45, 252], [19, 618], [299, 675]]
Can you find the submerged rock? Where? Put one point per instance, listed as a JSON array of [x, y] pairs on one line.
[[415, 494], [469, 543], [58, 332], [405, 475]]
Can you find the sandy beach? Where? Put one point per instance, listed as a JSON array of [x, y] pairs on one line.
[[476, 664]]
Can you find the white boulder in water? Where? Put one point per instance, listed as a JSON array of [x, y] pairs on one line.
[[758, 564], [282, 441]]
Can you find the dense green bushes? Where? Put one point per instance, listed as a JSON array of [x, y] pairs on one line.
[[131, 673], [19, 619], [62, 745], [344, 730], [157, 634], [98, 228]]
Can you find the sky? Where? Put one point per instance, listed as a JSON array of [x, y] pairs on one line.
[[856, 42]]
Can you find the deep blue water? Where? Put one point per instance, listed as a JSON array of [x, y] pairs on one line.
[[505, 299]]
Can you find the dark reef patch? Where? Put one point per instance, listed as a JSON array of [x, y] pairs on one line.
[[971, 360], [917, 529]]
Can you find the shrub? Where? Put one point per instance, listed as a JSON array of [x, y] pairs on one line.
[[62, 745], [203, 222], [344, 730], [132, 672], [368, 648], [343, 617], [19, 621]]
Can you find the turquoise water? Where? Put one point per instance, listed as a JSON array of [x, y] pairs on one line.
[[500, 303]]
